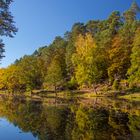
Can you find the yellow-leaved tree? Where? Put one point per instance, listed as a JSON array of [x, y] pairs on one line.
[[2, 79], [84, 60]]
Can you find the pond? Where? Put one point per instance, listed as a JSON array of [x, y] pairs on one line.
[[71, 119]]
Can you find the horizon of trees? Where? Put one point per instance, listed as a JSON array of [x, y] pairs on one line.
[[98, 52]]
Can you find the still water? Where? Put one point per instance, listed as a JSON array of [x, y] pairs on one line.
[[71, 119]]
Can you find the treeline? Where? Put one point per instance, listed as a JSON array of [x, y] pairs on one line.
[[98, 52]]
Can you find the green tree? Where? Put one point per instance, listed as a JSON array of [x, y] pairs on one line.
[[121, 46], [55, 75], [30, 72], [107, 31], [131, 13], [134, 70], [7, 27]]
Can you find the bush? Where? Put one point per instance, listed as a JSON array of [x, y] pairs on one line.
[[72, 84]]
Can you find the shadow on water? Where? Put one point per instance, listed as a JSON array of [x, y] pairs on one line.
[[69, 119]]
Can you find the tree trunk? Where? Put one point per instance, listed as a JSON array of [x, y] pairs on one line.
[[55, 91], [94, 88], [31, 93]]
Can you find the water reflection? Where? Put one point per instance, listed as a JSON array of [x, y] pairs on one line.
[[96, 119], [8, 131]]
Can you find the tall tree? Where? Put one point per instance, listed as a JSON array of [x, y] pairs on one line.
[[121, 46], [30, 72], [55, 76], [134, 70], [7, 27], [108, 30], [86, 68], [134, 7], [56, 63], [77, 29], [131, 13]]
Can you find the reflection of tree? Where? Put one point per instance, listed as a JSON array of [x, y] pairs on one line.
[[134, 125], [33, 117], [69, 123], [56, 121], [119, 122], [89, 123]]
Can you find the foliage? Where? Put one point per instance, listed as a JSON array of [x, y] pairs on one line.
[[98, 52], [86, 68], [54, 74], [115, 85], [7, 27], [134, 70]]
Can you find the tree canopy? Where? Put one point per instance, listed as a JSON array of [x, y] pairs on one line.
[[97, 52], [7, 27]]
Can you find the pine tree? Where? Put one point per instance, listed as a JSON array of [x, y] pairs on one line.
[[7, 27]]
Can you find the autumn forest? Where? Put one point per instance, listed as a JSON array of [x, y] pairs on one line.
[[99, 52]]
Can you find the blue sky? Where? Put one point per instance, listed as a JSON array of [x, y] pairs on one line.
[[39, 21]]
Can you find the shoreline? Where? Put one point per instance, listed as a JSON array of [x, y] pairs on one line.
[[40, 94]]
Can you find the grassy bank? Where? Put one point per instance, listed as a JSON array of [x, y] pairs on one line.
[[130, 94], [131, 97]]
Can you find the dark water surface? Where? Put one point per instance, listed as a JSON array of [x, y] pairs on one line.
[[72, 119]]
